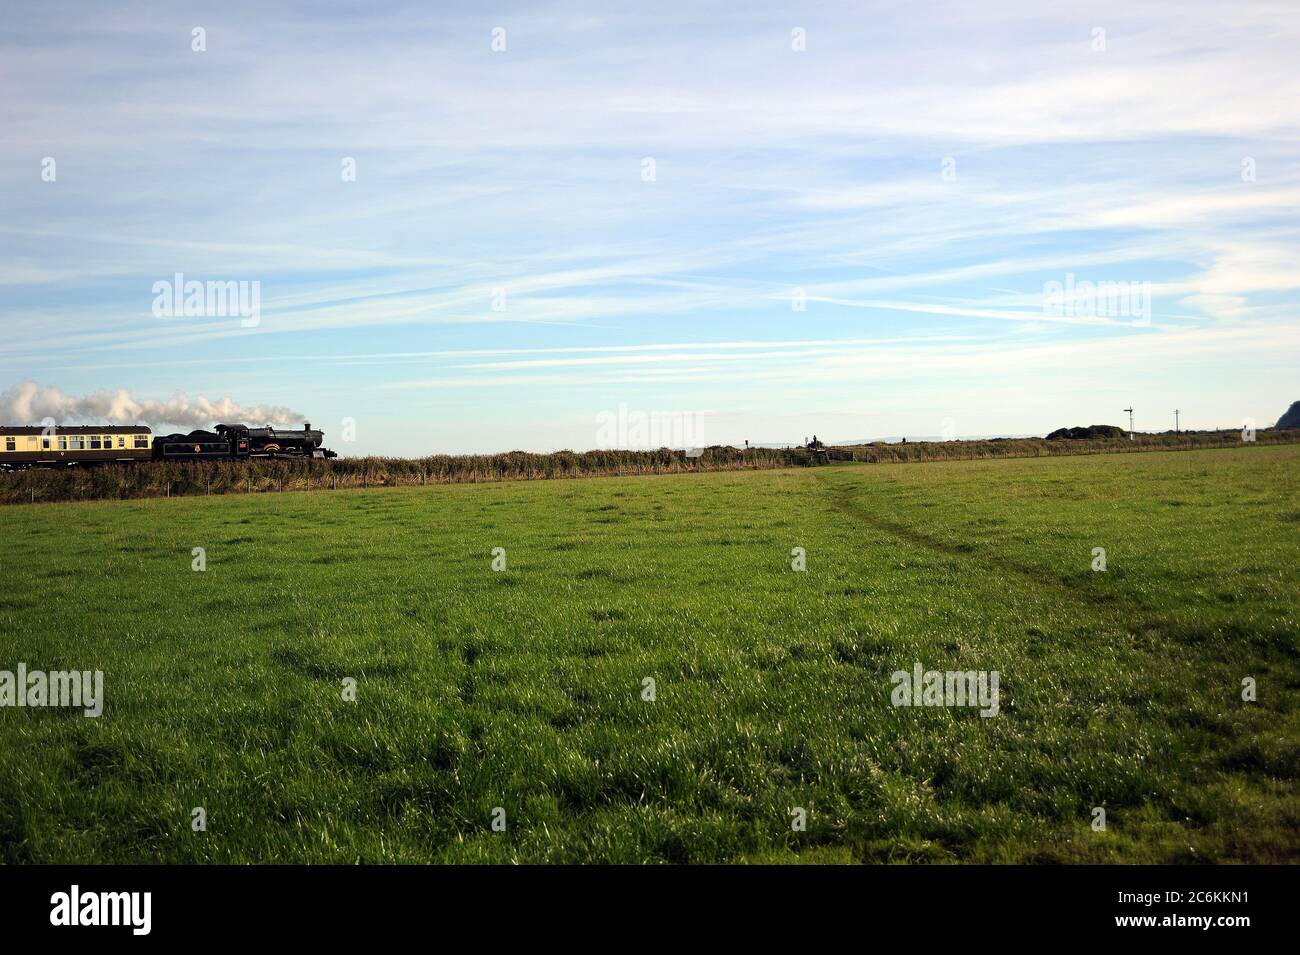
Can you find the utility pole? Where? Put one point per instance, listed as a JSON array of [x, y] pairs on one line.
[[1130, 423], [1175, 421]]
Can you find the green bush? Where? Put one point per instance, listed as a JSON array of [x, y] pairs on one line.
[[175, 479]]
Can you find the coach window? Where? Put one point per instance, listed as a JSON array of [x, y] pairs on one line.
[[142, 441], [121, 442], [45, 444], [11, 444], [94, 442], [63, 442]]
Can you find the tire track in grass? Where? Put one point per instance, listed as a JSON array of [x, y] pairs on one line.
[[1121, 608], [844, 499]]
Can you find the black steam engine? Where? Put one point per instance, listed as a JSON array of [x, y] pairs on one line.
[[238, 441]]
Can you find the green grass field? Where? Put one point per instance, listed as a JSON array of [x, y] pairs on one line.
[[522, 689]]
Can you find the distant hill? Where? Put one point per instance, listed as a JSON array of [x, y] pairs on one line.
[[1292, 417], [1092, 431]]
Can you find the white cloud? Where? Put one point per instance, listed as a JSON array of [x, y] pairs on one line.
[[29, 403], [819, 170]]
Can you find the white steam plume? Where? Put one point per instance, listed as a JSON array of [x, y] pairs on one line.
[[28, 403]]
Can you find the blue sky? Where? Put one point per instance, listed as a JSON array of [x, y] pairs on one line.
[[917, 175]]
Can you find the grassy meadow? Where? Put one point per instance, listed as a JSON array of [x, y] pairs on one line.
[[522, 688]]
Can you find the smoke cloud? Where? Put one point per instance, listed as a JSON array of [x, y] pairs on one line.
[[28, 403]]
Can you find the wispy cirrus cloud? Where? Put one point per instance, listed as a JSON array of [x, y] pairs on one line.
[[781, 177]]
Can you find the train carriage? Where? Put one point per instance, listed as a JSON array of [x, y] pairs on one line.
[[23, 447]]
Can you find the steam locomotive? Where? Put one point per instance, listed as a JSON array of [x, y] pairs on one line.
[[92, 444], [236, 441]]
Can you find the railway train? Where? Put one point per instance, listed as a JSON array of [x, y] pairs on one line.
[[27, 447]]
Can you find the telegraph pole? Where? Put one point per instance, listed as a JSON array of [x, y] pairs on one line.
[[1175, 421], [1130, 423]]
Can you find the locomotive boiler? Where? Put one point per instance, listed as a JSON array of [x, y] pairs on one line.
[[238, 441]]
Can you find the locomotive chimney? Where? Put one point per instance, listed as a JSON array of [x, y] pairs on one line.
[[306, 426]]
